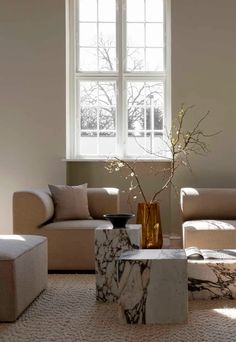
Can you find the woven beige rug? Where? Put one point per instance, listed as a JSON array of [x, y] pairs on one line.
[[67, 311]]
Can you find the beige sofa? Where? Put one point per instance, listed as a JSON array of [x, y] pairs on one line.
[[209, 217], [70, 243]]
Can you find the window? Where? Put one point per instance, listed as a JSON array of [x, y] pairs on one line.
[[117, 78]]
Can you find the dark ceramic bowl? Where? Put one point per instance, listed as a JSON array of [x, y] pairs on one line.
[[118, 220]]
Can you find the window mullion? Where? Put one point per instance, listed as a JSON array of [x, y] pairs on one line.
[[71, 84], [121, 117], [167, 59], [77, 121], [124, 81], [97, 113], [145, 116], [145, 34], [97, 39]]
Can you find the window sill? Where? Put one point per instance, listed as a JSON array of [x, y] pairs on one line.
[[158, 160]]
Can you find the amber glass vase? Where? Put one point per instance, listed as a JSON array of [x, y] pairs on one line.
[[148, 215]]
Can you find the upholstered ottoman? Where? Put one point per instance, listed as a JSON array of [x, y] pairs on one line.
[[23, 272]]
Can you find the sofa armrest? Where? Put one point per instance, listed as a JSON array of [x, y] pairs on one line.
[[207, 203], [103, 201], [31, 209]]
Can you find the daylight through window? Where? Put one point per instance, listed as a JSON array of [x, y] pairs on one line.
[[117, 78]]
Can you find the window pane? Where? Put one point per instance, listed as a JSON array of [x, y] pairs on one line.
[[143, 37], [154, 59], [89, 144], [143, 146], [107, 10], [88, 59], [154, 35], [154, 94], [104, 144], [135, 118], [107, 35], [88, 34], [107, 118], [154, 118], [135, 10], [88, 118], [88, 10], [136, 145], [145, 115], [135, 94], [160, 146], [107, 94], [98, 93], [135, 35], [101, 36], [154, 10], [107, 144], [158, 118], [135, 59], [97, 115], [88, 133], [88, 94], [107, 59]]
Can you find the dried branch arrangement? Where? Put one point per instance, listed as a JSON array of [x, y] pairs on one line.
[[180, 145]]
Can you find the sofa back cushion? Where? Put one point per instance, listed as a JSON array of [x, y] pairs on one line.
[[208, 203], [103, 201], [71, 202]]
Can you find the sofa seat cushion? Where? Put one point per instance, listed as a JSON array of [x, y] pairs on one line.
[[77, 224], [210, 234], [71, 243]]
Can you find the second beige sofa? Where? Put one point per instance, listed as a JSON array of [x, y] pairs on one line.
[[70, 243], [209, 217]]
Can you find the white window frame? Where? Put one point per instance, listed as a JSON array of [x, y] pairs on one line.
[[121, 76]]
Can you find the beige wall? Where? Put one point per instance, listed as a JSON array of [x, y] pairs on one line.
[[32, 98], [203, 74]]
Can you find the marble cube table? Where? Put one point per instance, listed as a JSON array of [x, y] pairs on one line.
[[213, 278], [153, 286], [109, 244]]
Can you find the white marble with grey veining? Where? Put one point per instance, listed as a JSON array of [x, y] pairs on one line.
[[109, 244], [213, 278], [153, 286]]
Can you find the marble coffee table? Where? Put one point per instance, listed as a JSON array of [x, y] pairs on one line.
[[214, 277], [110, 243], [153, 286]]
